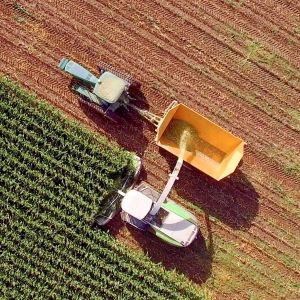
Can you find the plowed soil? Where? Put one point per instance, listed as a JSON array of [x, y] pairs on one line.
[[237, 63]]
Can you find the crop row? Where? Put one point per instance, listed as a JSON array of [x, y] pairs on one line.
[[47, 245], [55, 130], [46, 216], [47, 234]]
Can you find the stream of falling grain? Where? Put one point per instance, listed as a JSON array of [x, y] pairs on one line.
[[184, 141], [187, 138]]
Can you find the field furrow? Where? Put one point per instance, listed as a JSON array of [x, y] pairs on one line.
[[210, 55], [258, 127]]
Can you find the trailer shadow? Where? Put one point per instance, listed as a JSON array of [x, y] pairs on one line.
[[127, 131], [194, 261], [233, 200]]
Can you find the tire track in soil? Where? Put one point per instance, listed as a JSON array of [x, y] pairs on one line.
[[289, 5], [272, 63], [261, 12], [237, 48], [222, 44], [284, 13], [235, 79], [245, 19], [178, 38]]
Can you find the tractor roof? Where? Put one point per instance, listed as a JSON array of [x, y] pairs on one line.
[[109, 87], [136, 204]]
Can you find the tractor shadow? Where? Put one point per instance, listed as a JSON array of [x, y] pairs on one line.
[[233, 200], [127, 131], [194, 261]]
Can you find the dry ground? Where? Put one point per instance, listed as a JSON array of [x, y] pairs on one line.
[[235, 62]]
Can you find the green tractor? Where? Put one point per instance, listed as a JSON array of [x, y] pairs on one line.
[[144, 208], [106, 93]]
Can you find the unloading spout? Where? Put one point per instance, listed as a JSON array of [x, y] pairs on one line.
[[168, 187]]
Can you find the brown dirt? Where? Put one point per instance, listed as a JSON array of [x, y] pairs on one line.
[[189, 52]]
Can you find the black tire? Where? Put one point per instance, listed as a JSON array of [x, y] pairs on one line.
[[92, 105], [102, 221], [114, 117]]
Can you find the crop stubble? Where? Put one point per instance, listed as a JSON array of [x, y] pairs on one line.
[[164, 65]]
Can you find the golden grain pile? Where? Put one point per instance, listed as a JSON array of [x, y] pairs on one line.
[[187, 138]]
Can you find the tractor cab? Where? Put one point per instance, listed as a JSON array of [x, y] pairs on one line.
[[106, 93], [109, 87]]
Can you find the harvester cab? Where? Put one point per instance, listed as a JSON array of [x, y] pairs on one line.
[[171, 222]]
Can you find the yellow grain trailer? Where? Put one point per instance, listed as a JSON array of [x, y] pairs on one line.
[[215, 151]]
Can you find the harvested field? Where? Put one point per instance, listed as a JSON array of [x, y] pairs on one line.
[[237, 63]]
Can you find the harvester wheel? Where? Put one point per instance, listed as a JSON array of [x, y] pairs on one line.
[[102, 221]]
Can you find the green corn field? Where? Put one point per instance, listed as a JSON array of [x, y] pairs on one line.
[[54, 177]]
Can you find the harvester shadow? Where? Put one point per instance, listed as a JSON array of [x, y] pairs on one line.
[[233, 200], [194, 261], [127, 131]]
